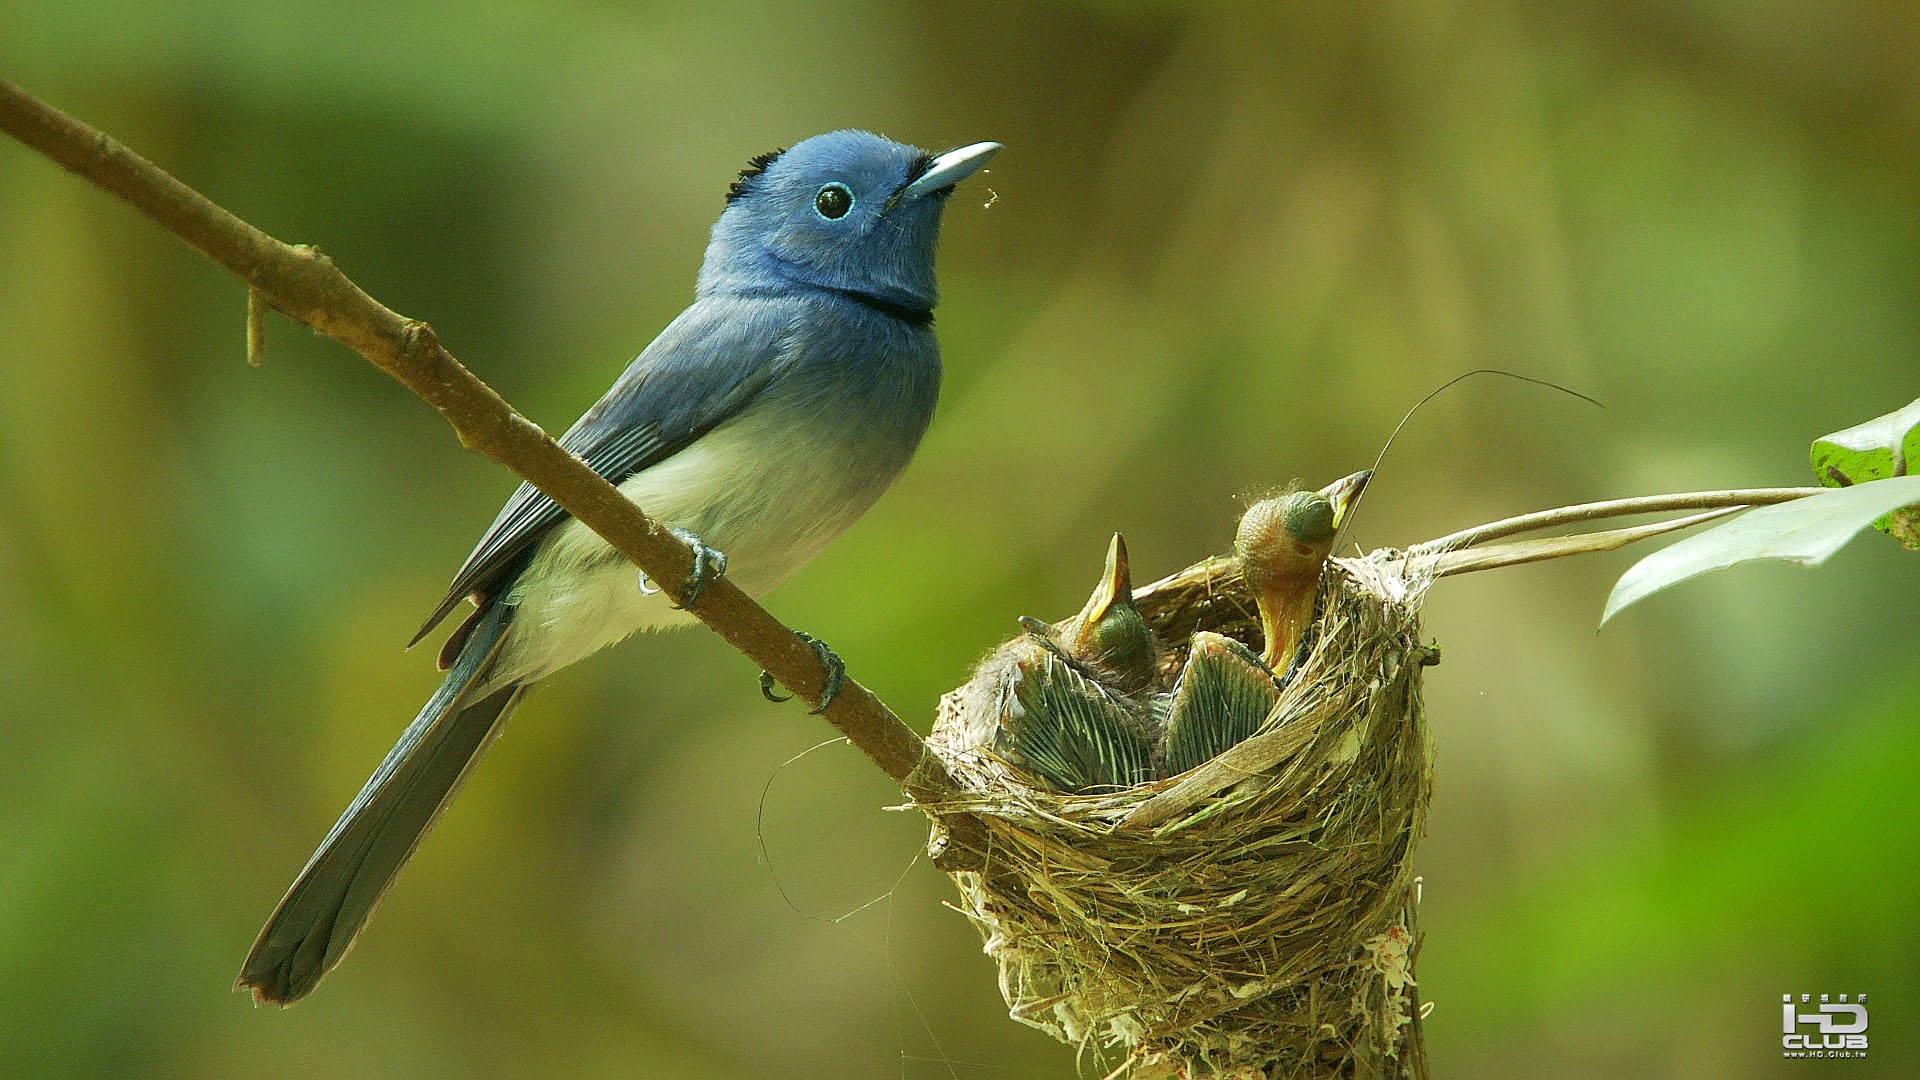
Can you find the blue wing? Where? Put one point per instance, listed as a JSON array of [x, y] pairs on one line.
[[705, 367]]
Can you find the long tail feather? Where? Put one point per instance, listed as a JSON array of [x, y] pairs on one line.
[[336, 893]]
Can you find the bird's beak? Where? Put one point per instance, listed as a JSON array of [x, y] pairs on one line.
[[947, 170], [1344, 492], [1116, 584]]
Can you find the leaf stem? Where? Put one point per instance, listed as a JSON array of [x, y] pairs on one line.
[[1467, 560], [1730, 498]]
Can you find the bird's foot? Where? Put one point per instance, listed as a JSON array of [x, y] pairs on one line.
[[709, 565], [836, 675]]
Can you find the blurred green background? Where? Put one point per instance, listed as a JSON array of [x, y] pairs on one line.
[[1226, 246]]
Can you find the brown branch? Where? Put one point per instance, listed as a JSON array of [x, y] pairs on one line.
[[306, 286]]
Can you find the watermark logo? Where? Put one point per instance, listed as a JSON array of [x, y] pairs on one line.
[[1826, 1029]]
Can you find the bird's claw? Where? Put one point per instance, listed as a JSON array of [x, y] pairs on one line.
[[767, 683], [836, 675], [709, 565], [836, 672]]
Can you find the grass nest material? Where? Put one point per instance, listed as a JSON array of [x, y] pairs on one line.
[[1254, 916]]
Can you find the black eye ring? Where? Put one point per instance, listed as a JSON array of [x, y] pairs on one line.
[[833, 201]]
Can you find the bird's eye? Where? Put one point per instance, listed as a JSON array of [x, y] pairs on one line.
[[833, 201]]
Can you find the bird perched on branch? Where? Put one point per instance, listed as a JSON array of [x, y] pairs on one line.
[[761, 423], [1225, 691]]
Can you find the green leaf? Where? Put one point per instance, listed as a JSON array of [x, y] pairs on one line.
[[1881, 448], [1805, 531]]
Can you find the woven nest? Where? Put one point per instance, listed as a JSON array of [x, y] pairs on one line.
[[1253, 917]]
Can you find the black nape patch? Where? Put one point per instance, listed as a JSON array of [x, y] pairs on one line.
[[755, 167], [918, 169]]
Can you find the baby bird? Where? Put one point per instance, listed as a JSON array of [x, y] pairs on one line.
[[1283, 543], [1222, 696], [1074, 712], [1225, 692], [1067, 729], [1109, 637]]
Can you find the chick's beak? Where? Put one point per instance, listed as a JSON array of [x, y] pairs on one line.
[[1344, 493], [946, 170], [1116, 584]]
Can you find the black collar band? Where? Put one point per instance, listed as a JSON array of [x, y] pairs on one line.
[[913, 316]]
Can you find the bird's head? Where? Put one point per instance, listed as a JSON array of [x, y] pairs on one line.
[[1109, 635], [1110, 630], [1291, 536], [845, 210], [1283, 543]]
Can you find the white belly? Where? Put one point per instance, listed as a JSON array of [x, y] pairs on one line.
[[769, 502]]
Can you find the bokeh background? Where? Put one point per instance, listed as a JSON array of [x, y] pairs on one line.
[[1226, 246]]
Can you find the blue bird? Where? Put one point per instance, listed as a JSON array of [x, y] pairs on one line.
[[761, 423]]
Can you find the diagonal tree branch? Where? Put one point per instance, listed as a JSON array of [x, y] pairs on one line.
[[307, 287]]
